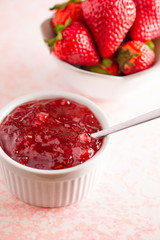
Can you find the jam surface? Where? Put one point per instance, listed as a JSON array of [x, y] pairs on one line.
[[50, 134]]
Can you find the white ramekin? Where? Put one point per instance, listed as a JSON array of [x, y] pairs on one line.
[[99, 86], [52, 188]]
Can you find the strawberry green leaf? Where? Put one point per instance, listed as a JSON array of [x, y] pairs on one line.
[[63, 5], [51, 42], [106, 62], [135, 54], [59, 27], [59, 6], [75, 1], [68, 22], [97, 69], [59, 36], [124, 56], [130, 64], [151, 45]]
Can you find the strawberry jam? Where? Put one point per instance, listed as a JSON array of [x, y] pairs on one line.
[[50, 134]]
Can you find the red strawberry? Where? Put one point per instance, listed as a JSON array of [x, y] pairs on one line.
[[135, 56], [71, 9], [74, 45], [147, 23], [109, 22], [107, 67]]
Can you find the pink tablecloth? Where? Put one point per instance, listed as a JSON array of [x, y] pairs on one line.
[[126, 203]]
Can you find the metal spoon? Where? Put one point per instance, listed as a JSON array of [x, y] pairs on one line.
[[127, 124]]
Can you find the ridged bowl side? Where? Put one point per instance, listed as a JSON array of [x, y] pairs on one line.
[[49, 193]]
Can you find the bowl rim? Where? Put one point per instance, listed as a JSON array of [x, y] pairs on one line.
[[100, 115]]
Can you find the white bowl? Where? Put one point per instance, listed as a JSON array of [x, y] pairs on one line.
[[99, 86], [52, 188]]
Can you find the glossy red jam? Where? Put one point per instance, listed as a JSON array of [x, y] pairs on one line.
[[50, 134]]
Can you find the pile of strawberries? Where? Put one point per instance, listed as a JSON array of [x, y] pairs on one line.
[[106, 36]]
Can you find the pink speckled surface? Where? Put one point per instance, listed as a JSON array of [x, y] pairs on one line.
[[126, 203]]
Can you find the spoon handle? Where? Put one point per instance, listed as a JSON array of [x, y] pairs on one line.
[[130, 123]]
